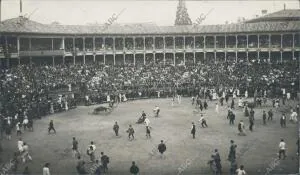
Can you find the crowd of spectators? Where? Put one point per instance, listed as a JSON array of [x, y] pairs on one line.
[[35, 88], [33, 91]]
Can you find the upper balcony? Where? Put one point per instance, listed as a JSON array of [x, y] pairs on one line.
[[33, 46]]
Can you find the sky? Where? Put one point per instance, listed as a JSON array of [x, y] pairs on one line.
[[81, 12]]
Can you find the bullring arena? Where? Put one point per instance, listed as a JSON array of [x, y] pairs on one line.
[[257, 150], [79, 80]]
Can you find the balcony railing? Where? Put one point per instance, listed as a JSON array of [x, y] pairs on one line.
[[42, 53]]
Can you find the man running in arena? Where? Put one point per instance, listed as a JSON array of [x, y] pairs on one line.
[[270, 115], [205, 104], [26, 155], [130, 132], [104, 162], [142, 118], [116, 128], [293, 117], [148, 132], [18, 128], [156, 110], [193, 130], [25, 123], [20, 145], [51, 127], [203, 121], [75, 147], [147, 122], [241, 128], [193, 100], [162, 148]]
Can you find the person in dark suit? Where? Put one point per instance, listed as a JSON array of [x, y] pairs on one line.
[[26, 171], [116, 128], [148, 132], [162, 148], [205, 104], [252, 112], [232, 104], [130, 132], [251, 119], [232, 151], [297, 147], [193, 131], [51, 127], [283, 121], [226, 97], [134, 169], [264, 117], [233, 167], [231, 118], [104, 161], [270, 115], [217, 160], [75, 147]]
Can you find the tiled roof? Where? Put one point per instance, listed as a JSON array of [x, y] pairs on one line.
[[283, 15], [24, 25]]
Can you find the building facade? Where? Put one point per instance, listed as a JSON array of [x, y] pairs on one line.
[[274, 37]]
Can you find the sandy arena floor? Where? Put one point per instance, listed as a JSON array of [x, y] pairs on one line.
[[257, 151]]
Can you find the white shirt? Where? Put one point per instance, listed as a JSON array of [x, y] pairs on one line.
[[25, 148], [8, 120], [124, 98], [46, 171], [25, 121], [20, 144], [147, 121], [17, 126], [16, 116], [201, 119], [282, 146], [283, 91], [240, 172], [94, 147], [294, 114], [242, 125], [234, 95], [70, 87], [217, 108]]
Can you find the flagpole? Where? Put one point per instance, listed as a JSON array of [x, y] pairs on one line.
[[0, 9], [21, 8]]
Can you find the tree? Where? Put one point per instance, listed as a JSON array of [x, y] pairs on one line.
[[182, 16], [55, 23]]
